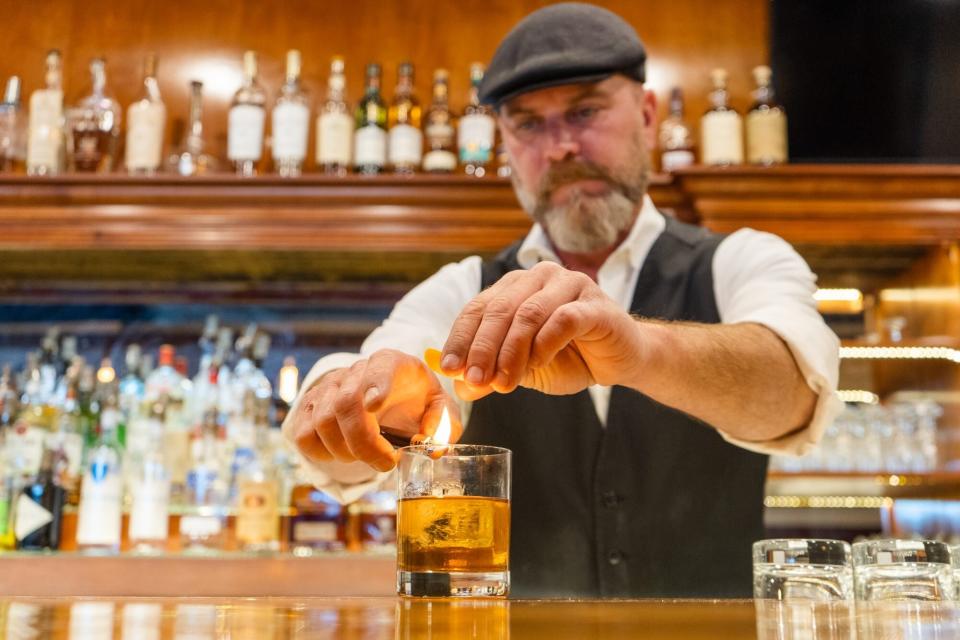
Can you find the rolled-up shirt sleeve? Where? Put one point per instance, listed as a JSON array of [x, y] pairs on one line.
[[421, 319], [758, 277]]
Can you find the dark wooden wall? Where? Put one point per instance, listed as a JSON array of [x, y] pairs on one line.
[[205, 40]]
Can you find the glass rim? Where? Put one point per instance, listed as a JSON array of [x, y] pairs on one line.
[[865, 552], [482, 450], [802, 551]]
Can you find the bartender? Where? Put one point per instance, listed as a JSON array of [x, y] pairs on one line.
[[639, 368]]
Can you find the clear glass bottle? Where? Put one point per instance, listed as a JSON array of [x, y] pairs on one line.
[[146, 119], [476, 132], [721, 129], [45, 139], [13, 130], [676, 139], [93, 126], [246, 120], [766, 123], [370, 136], [100, 512], [257, 493], [150, 492], [405, 143], [441, 156], [290, 122], [191, 159], [335, 125], [38, 513]]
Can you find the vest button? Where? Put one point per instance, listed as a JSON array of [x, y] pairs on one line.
[[615, 557], [610, 499]]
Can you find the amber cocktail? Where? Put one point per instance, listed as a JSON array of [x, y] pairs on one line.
[[453, 522]]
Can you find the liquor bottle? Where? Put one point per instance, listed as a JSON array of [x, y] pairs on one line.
[[164, 381], [475, 135], [191, 159], [257, 492], [25, 439], [131, 388], [335, 125], [721, 130], [67, 442], [676, 139], [290, 122], [13, 132], [405, 144], [101, 494], [45, 134], [150, 490], [766, 123], [246, 119], [441, 156], [39, 509], [317, 522], [370, 137], [93, 126], [374, 520], [146, 119]]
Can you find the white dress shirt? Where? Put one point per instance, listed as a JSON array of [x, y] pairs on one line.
[[757, 277]]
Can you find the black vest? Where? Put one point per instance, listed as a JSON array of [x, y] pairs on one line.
[[656, 504]]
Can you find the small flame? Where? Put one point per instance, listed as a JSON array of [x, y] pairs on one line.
[[442, 434]]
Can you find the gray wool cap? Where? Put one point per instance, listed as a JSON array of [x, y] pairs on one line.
[[562, 44]]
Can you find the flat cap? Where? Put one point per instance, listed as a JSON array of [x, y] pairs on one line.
[[562, 44]]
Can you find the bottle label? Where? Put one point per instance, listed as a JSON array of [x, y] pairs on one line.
[[45, 135], [290, 123], [30, 517], [149, 512], [25, 448], [71, 444], [439, 134], [98, 521], [245, 132], [475, 138], [439, 161], [145, 122], [676, 159], [406, 145], [312, 532], [200, 526], [766, 137], [722, 138], [334, 139], [370, 146], [257, 515]]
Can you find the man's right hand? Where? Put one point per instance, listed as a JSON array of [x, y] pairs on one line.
[[339, 418]]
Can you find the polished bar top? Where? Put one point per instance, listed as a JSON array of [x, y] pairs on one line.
[[403, 619]]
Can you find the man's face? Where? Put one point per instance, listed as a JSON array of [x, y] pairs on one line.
[[580, 158]]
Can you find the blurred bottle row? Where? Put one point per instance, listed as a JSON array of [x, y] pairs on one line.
[[896, 438], [153, 460], [368, 137]]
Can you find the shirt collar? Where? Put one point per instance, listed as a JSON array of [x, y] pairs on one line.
[[646, 229]]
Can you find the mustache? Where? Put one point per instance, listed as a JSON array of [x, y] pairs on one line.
[[566, 172]]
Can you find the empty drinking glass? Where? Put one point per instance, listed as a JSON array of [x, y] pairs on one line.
[[802, 570], [902, 570]]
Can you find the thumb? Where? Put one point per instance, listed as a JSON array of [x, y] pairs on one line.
[[470, 392]]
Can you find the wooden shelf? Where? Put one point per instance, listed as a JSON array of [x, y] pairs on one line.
[[941, 484]]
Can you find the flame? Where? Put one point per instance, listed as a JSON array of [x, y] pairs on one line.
[[442, 434]]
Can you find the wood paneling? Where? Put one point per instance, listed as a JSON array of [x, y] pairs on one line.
[[205, 41]]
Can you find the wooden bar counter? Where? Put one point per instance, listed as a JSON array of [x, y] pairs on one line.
[[403, 619]]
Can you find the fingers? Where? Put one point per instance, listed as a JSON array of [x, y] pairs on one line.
[[432, 416], [356, 434], [469, 392]]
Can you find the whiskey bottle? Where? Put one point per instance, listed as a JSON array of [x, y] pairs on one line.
[[191, 159], [721, 130], [45, 144], [475, 135], [676, 140], [370, 137], [246, 119], [441, 155], [258, 517], [766, 123], [318, 522], [335, 125], [13, 138], [405, 144], [39, 509], [93, 126], [146, 119], [290, 122]]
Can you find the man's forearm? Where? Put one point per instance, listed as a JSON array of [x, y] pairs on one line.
[[740, 378]]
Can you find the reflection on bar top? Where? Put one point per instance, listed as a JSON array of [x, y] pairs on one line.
[[356, 618]]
